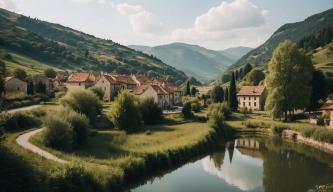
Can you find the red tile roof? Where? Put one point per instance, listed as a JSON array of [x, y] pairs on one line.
[[251, 91], [141, 89], [124, 79], [157, 88], [81, 77]]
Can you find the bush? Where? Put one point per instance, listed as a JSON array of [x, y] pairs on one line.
[[98, 91], [83, 101], [186, 111], [321, 121], [324, 188], [58, 133], [80, 126], [277, 129], [125, 113], [151, 112], [195, 106], [245, 111], [59, 95], [19, 121], [221, 107]]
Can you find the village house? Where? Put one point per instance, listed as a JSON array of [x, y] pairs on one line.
[[109, 85], [252, 97], [157, 92], [42, 80], [175, 94], [141, 79], [327, 112], [14, 85], [81, 80]]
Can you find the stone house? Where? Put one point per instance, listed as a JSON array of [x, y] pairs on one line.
[[160, 95], [14, 85], [175, 93], [42, 80], [252, 97], [81, 80], [327, 112], [109, 85]]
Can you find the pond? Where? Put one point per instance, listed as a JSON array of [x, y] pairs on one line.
[[249, 164]]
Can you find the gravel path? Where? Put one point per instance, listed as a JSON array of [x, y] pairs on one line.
[[23, 108], [23, 140]]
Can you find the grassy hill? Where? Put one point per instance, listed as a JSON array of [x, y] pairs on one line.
[[34, 45], [323, 59], [196, 61], [292, 31]]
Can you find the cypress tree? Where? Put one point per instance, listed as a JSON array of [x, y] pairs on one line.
[[237, 75], [226, 94], [188, 89], [232, 102]]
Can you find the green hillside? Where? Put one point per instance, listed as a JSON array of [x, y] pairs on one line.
[[323, 59], [196, 61], [35, 44], [292, 31]]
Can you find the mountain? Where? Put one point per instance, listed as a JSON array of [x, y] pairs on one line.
[[33, 45], [292, 31], [196, 61], [236, 52]]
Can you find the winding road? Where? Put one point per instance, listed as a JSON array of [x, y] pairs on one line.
[[23, 140]]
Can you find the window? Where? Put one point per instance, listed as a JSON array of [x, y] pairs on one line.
[[249, 98], [244, 98], [243, 104], [18, 88], [79, 84], [249, 104], [255, 104]]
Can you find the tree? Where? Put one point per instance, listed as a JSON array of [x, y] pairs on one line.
[[125, 113], [83, 101], [241, 75], [254, 77], [225, 78], [2, 77], [80, 126], [50, 73], [150, 111], [247, 68], [289, 80], [237, 75], [226, 95], [319, 89], [194, 91], [187, 89], [217, 94], [232, 98], [186, 111], [98, 91], [20, 74]]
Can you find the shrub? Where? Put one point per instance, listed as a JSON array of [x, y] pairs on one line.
[[150, 111], [324, 188], [59, 95], [245, 111], [277, 128], [255, 124], [321, 121], [186, 111], [83, 101], [80, 126], [195, 106], [322, 134], [97, 91], [221, 107], [125, 113], [19, 121], [58, 133]]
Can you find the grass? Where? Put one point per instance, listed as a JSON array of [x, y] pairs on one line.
[[259, 122], [323, 58]]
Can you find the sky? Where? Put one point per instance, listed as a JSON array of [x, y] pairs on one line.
[[214, 24]]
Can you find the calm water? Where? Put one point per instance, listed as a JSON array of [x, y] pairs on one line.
[[250, 164]]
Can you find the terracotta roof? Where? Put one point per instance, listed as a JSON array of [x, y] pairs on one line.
[[141, 89], [81, 77], [157, 88], [9, 78], [327, 107], [124, 79], [141, 79], [169, 87], [110, 79], [251, 91]]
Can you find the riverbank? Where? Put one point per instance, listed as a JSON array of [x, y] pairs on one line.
[[298, 131], [112, 158]]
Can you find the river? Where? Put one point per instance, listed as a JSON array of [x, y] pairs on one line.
[[249, 164]]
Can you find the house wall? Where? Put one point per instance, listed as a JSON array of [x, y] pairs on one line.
[[14, 86], [44, 80], [82, 85], [250, 102], [150, 92], [177, 97]]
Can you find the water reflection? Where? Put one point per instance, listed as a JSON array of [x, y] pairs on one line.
[[250, 164], [244, 172]]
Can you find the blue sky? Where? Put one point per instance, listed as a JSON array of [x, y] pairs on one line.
[[215, 24]]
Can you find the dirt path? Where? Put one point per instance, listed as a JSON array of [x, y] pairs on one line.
[[23, 140]]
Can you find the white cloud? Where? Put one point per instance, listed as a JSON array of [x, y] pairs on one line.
[[234, 15], [8, 4], [141, 20], [127, 9]]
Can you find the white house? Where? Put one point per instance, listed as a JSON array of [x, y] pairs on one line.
[[252, 97]]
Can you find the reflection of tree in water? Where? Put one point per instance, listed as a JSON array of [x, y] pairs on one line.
[[288, 170], [218, 158], [231, 147]]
